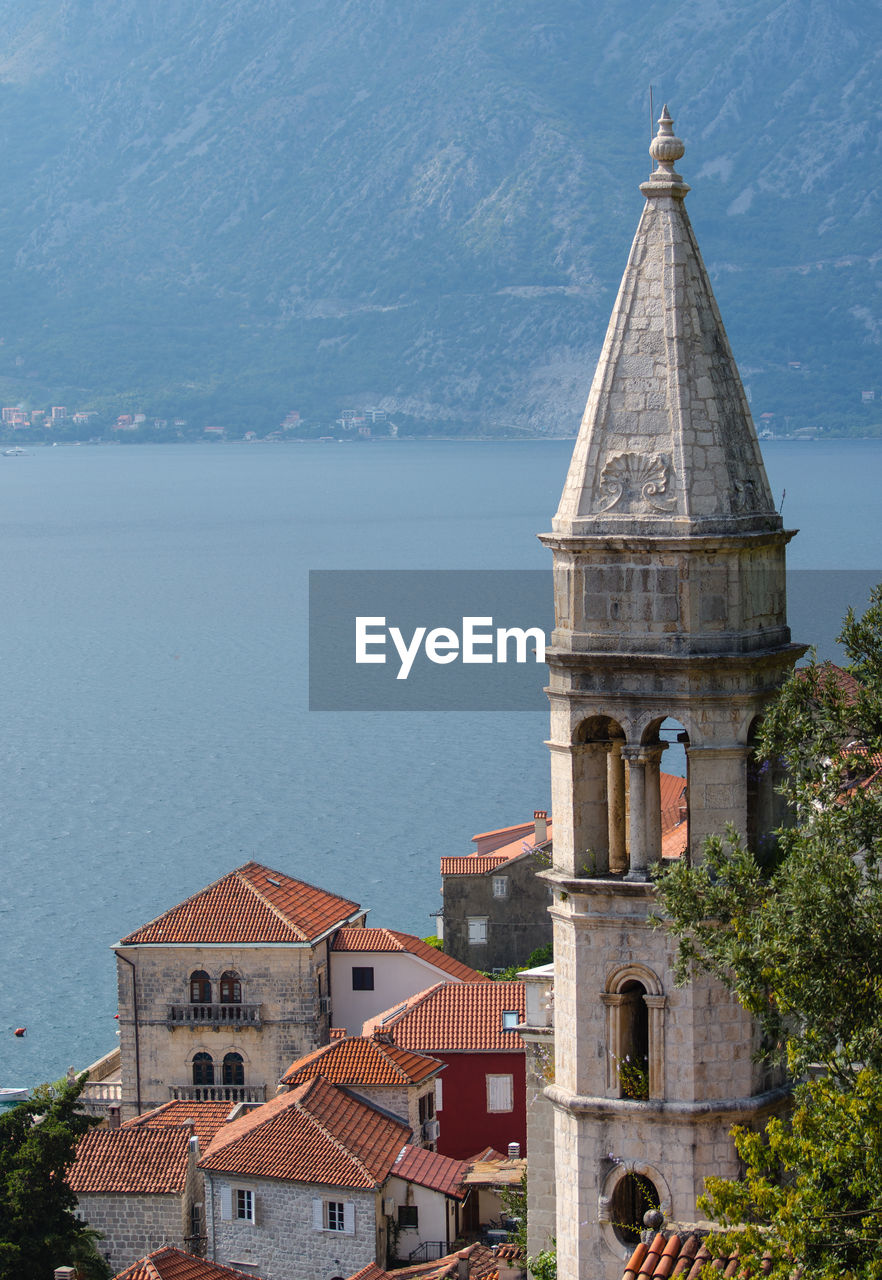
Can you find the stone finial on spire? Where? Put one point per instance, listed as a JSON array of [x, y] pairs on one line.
[[666, 148]]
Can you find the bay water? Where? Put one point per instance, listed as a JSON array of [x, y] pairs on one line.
[[153, 685]]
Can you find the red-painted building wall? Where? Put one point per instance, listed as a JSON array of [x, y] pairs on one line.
[[466, 1126]]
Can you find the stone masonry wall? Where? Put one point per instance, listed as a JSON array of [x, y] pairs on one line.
[[134, 1225], [282, 980], [282, 1244]]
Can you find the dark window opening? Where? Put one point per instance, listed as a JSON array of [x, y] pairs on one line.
[[427, 1106], [408, 1216], [234, 1069], [634, 1196], [200, 987], [230, 988], [362, 978], [634, 1065], [203, 1068]]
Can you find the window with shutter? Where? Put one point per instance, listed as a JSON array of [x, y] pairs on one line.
[[439, 1096], [349, 1217], [500, 1093], [477, 930], [318, 1216], [226, 1199]]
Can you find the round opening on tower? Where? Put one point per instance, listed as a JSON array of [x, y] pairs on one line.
[[634, 1196]]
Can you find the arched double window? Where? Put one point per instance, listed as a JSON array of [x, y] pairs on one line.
[[230, 988], [635, 1005], [203, 1069], [200, 987], [233, 1069]]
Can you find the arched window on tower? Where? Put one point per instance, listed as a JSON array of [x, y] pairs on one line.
[[200, 987], [634, 1196], [233, 1069], [230, 988], [203, 1069], [600, 842], [766, 809], [635, 1011]]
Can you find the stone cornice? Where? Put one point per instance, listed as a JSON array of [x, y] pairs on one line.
[[732, 1109]]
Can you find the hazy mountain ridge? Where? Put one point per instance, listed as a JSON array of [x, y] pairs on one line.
[[243, 209]]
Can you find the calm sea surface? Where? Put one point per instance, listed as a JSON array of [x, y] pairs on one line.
[[153, 686]]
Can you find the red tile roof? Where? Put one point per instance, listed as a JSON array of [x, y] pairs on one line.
[[483, 1264], [315, 1134], [432, 1170], [142, 1161], [454, 1017], [674, 1253], [479, 864], [363, 1060], [252, 904], [374, 940], [173, 1264], [205, 1117]]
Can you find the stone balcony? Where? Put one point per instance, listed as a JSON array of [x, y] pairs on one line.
[[236, 1016], [217, 1092]]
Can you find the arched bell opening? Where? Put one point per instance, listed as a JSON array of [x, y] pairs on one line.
[[765, 808], [658, 799], [600, 841]]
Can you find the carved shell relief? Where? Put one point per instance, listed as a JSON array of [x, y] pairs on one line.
[[635, 483]]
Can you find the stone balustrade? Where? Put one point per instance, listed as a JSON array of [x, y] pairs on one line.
[[213, 1015], [217, 1092]]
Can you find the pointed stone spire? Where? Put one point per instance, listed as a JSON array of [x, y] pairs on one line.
[[667, 446]]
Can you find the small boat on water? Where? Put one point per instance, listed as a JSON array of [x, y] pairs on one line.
[[15, 453], [9, 1097]]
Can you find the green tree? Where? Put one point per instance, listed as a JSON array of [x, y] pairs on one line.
[[38, 1231], [794, 932]]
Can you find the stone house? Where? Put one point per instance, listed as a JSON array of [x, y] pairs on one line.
[[372, 969], [305, 1177], [381, 1072], [495, 911], [221, 993], [472, 1028], [140, 1187]]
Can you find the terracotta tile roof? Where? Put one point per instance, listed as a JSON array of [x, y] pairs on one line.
[[173, 1264], [376, 940], [363, 1060], [483, 1264], [252, 904], [673, 1253], [315, 1133], [205, 1117], [479, 864], [145, 1161], [455, 1017], [432, 1170]]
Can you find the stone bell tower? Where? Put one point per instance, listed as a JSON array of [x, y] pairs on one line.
[[669, 607]]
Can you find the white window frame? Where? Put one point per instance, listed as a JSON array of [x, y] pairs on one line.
[[322, 1216], [238, 1204], [477, 928], [500, 886], [500, 1093]]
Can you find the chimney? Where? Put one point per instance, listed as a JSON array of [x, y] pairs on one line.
[[540, 825], [514, 1151], [64, 1273], [462, 1265]]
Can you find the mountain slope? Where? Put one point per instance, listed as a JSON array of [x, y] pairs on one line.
[[236, 209]]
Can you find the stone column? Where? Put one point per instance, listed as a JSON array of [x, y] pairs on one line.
[[637, 816], [613, 1001], [652, 799], [656, 1008], [615, 792]]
